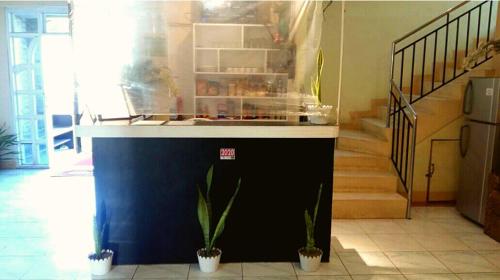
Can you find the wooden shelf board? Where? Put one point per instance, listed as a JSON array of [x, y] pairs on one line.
[[231, 73], [235, 49]]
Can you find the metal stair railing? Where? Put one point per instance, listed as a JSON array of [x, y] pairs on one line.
[[415, 58], [404, 137]]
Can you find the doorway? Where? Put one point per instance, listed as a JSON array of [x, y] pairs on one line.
[[42, 85], [443, 171]]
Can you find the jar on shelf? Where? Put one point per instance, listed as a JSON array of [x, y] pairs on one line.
[[231, 89], [201, 87]]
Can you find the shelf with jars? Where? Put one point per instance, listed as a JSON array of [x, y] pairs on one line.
[[240, 71]]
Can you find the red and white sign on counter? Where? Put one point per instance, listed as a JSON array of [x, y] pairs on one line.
[[227, 153]]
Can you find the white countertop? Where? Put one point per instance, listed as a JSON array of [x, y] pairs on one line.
[[207, 131]]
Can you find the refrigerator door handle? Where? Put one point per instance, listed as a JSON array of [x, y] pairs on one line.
[[464, 140], [468, 99]]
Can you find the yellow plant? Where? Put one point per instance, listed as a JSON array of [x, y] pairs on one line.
[[316, 80]]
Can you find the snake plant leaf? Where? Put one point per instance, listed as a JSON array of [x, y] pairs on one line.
[[203, 218], [209, 179], [319, 73], [222, 220], [317, 205], [320, 62], [309, 230], [97, 239], [7, 143], [209, 186]]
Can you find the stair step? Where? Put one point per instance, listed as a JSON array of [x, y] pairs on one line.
[[420, 108], [376, 126], [417, 86], [368, 206], [359, 141], [431, 96], [348, 160], [364, 181]]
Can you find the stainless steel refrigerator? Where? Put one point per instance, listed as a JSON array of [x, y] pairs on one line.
[[479, 145]]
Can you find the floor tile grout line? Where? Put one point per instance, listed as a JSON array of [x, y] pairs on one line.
[[135, 271], [345, 267], [437, 258], [373, 241], [294, 270], [494, 265], [390, 260]]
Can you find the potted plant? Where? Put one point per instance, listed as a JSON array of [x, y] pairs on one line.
[[318, 113], [209, 256], [101, 259], [7, 143], [483, 50], [310, 255], [148, 87]]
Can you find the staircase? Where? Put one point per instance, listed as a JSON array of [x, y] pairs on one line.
[[375, 155], [365, 185]]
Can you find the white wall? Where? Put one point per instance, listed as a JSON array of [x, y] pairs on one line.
[[370, 28]]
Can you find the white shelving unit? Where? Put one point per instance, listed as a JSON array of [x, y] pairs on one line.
[[226, 52]]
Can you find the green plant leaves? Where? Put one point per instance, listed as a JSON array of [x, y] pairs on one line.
[[209, 179], [320, 72], [309, 231], [7, 142], [311, 222], [204, 218], [205, 212], [98, 237], [220, 225], [316, 81], [317, 204]]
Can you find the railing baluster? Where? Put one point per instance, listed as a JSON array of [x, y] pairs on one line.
[[434, 59], [423, 68], [412, 70], [467, 36], [401, 73], [407, 148], [393, 127], [446, 47], [398, 131], [489, 25], [489, 22], [402, 141], [478, 27], [456, 49]]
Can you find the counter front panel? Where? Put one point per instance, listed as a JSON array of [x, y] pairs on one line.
[[146, 187]]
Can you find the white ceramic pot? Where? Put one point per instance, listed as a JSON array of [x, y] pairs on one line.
[[209, 264], [318, 119], [319, 114], [101, 266], [308, 263]]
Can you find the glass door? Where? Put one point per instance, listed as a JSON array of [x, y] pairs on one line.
[[25, 30]]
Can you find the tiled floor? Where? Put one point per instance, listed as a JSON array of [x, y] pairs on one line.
[[45, 233]]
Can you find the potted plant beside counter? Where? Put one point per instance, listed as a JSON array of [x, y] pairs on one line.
[[8, 143], [310, 255], [209, 256], [101, 259]]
